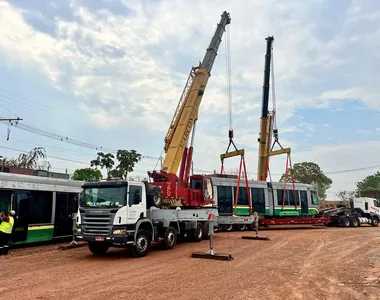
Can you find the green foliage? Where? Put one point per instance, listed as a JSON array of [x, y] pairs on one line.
[[103, 161], [127, 160], [370, 183], [87, 174], [29, 160], [310, 173]]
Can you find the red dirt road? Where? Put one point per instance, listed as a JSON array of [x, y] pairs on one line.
[[317, 263]]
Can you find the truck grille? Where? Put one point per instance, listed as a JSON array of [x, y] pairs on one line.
[[96, 222]]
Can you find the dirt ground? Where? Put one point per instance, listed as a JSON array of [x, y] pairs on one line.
[[302, 263]]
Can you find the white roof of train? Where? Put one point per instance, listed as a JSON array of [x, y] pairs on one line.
[[18, 181]]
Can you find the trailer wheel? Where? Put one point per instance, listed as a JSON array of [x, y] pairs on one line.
[[375, 222], [354, 222], [142, 245], [228, 227], [170, 238], [98, 249], [197, 234]]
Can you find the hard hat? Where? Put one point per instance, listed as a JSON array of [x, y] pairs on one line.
[[12, 212]]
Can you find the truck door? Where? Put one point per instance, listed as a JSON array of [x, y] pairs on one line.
[[136, 206]]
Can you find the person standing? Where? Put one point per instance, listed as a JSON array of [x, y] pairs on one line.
[[6, 227]]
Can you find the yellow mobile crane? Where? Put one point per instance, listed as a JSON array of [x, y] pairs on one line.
[[175, 188], [268, 120]]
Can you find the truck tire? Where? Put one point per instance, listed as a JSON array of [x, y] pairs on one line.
[[375, 222], [241, 227], [97, 248], [228, 227], [169, 239], [142, 245], [206, 228], [346, 222], [354, 222], [196, 234], [157, 200]]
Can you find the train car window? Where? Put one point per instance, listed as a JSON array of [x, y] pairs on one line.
[[40, 207], [280, 195], [258, 199], [5, 200], [224, 199], [290, 195], [243, 197]]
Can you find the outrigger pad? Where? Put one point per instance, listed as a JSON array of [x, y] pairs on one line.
[[216, 256], [260, 238]]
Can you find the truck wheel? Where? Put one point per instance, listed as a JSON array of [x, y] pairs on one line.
[[241, 227], [170, 238], [354, 222], [197, 234], [206, 227], [98, 249], [346, 222], [142, 244], [228, 227], [157, 196], [375, 222]]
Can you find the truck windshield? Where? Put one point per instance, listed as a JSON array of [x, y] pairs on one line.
[[103, 197]]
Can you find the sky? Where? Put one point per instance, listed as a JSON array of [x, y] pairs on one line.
[[109, 74]]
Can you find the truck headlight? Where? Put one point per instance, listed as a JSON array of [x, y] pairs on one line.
[[79, 230], [120, 231]]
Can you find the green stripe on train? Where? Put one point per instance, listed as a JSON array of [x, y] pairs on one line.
[[39, 235], [287, 211]]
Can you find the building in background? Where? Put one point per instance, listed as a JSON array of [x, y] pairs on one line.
[[44, 173], [15, 170]]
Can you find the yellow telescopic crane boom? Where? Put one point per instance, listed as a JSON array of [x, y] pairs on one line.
[[186, 114], [267, 121]]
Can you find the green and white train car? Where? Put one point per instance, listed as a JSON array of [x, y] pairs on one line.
[[43, 205], [266, 198]]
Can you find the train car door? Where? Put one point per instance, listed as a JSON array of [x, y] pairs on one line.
[[21, 205], [225, 198], [66, 205], [304, 203]]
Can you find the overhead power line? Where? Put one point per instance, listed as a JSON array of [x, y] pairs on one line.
[[66, 139]]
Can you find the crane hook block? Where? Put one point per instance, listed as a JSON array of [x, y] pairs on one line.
[[231, 134]]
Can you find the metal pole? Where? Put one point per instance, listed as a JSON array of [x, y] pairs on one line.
[[74, 242]]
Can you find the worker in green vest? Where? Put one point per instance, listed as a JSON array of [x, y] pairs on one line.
[[6, 227]]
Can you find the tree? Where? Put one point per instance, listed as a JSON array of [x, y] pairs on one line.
[[371, 182], [29, 160], [127, 160], [103, 161], [87, 174], [310, 173], [345, 195]]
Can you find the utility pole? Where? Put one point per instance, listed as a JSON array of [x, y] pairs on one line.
[[10, 120]]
